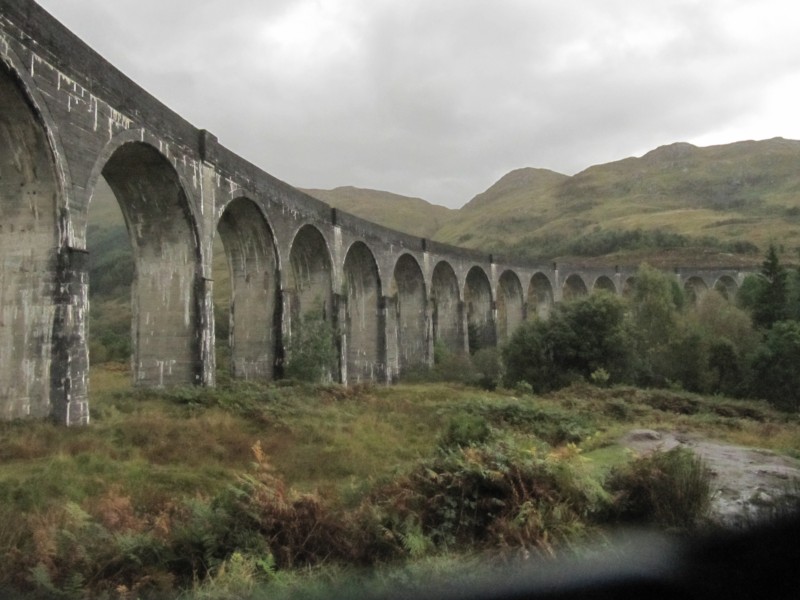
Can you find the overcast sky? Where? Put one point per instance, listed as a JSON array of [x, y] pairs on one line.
[[440, 98]]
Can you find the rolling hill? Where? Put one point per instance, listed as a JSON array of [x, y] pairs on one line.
[[410, 215], [676, 204]]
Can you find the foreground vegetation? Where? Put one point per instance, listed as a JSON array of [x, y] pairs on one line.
[[250, 489]]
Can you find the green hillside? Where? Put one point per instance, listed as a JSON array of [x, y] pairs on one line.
[[410, 215], [720, 200]]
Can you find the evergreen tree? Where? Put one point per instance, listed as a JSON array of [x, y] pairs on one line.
[[771, 305], [776, 376]]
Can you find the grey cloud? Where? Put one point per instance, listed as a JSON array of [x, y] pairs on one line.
[[438, 99]]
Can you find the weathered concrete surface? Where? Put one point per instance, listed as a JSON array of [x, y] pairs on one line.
[[253, 264], [29, 282], [480, 310], [68, 119], [510, 305], [408, 333], [447, 310], [365, 314]]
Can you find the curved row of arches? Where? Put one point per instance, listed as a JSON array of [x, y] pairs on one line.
[[384, 322]]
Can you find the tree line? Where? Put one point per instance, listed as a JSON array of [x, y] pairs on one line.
[[657, 337]]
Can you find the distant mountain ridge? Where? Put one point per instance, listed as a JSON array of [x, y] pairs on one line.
[[728, 200]]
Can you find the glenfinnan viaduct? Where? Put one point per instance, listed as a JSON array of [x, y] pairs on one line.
[[68, 118]]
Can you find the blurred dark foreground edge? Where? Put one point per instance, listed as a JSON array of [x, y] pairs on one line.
[[759, 562]]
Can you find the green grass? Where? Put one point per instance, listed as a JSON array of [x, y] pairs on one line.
[[169, 471]]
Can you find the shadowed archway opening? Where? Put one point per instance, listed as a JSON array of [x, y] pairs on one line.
[[727, 287], [253, 316], [29, 196], [308, 302], [510, 305], [110, 275], [165, 330], [446, 309], [574, 287], [540, 296], [478, 303], [628, 287], [695, 288], [407, 315], [605, 284], [363, 329]]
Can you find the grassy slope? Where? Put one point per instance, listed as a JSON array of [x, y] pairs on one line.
[[745, 191], [331, 438], [131, 482], [410, 215]]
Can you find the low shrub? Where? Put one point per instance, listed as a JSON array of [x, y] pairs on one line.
[[671, 489], [311, 351], [465, 430], [551, 425], [497, 495], [488, 369]]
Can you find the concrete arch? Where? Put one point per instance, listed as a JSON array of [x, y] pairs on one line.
[[510, 305], [478, 304], [167, 292], [407, 316], [309, 278], [254, 313], [726, 285], [140, 138], [309, 282], [446, 312], [695, 288], [16, 72], [574, 287], [604, 283], [540, 296], [363, 336], [30, 198]]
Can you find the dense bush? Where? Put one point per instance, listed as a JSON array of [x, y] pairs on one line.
[[488, 368], [776, 376], [670, 489], [465, 430], [657, 338], [311, 351], [579, 338]]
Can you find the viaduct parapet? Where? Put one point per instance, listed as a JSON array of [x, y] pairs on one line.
[[68, 118]]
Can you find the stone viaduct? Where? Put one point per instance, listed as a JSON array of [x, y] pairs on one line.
[[68, 118]]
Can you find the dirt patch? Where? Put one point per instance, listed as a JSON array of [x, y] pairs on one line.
[[749, 483]]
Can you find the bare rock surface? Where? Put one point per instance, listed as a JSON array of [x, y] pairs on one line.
[[748, 483]]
